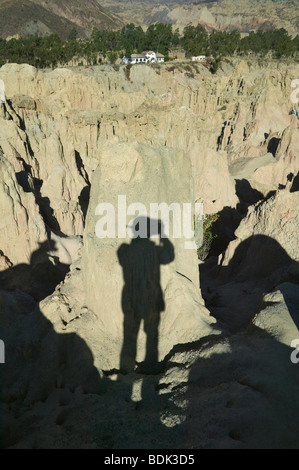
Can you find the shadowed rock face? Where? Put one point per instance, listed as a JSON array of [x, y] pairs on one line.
[[119, 342]]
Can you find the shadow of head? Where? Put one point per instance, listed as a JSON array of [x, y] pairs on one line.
[[144, 228], [40, 276], [43, 252]]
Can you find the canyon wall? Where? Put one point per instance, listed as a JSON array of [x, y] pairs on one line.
[[73, 138]]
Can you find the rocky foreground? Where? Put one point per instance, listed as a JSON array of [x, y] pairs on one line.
[[217, 366]]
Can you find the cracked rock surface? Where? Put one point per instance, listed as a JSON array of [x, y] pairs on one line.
[[112, 343]]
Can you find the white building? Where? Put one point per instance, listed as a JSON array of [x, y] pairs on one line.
[[199, 58], [134, 59], [160, 57], [153, 56], [144, 57]]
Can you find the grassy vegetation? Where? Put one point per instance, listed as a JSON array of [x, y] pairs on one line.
[[208, 235]]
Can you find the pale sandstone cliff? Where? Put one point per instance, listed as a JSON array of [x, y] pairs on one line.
[[72, 138]]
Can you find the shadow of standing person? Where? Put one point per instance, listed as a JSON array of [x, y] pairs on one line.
[[142, 297]]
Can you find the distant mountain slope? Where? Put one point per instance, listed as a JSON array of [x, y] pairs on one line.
[[252, 15], [223, 15], [170, 2], [85, 14], [25, 17]]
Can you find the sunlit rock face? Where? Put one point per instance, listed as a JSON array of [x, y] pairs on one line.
[[122, 323]]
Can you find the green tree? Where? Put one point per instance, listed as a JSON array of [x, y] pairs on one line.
[[158, 38], [112, 56], [195, 41]]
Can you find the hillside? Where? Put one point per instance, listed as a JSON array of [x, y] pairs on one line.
[[27, 17], [244, 15]]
